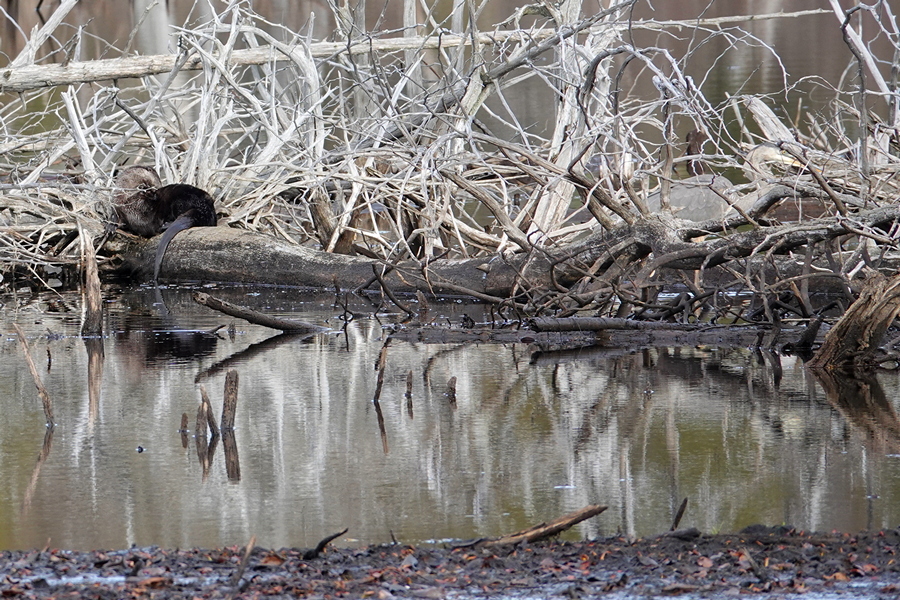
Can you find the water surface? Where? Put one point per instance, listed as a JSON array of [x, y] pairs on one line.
[[748, 438]]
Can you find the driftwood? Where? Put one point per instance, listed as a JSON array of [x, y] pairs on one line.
[[855, 338], [545, 530]]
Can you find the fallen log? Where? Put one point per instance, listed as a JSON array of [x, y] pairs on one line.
[[544, 342], [223, 254], [854, 339], [226, 254], [602, 323]]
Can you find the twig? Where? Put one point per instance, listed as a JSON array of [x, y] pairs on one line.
[[387, 291], [242, 566], [679, 514], [255, 317]]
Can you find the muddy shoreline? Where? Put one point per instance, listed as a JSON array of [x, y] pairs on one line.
[[758, 560]]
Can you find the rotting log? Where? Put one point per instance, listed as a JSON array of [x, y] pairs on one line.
[[854, 339]]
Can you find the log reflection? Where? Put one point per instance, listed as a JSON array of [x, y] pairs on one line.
[[859, 397], [35, 473], [94, 348]]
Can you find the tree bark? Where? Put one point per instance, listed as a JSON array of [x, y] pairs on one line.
[[852, 342], [232, 255]]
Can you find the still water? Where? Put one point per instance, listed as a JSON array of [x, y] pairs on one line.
[[526, 441]]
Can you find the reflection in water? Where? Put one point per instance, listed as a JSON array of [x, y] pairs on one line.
[[746, 438], [862, 401]]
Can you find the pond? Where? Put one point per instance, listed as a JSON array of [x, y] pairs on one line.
[[746, 437]]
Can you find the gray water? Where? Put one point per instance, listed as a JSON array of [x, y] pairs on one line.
[[635, 429], [747, 437]]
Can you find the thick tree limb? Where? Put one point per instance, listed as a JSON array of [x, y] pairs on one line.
[[23, 77], [601, 323]]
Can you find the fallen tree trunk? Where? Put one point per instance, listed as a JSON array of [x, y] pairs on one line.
[[853, 341], [223, 254], [233, 255]]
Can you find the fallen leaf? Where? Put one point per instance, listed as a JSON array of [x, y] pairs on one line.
[[868, 568], [155, 582], [272, 560], [410, 562]]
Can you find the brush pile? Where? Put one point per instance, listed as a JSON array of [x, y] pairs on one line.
[[404, 153]]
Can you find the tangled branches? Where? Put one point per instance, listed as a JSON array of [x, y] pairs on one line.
[[408, 150]]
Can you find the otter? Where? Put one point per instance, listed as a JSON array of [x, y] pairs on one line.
[[145, 207]]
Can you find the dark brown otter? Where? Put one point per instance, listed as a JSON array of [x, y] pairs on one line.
[[146, 208]]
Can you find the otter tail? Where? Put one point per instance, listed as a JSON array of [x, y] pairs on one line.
[[184, 221]]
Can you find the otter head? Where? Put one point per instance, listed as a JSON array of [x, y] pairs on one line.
[[135, 200]]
